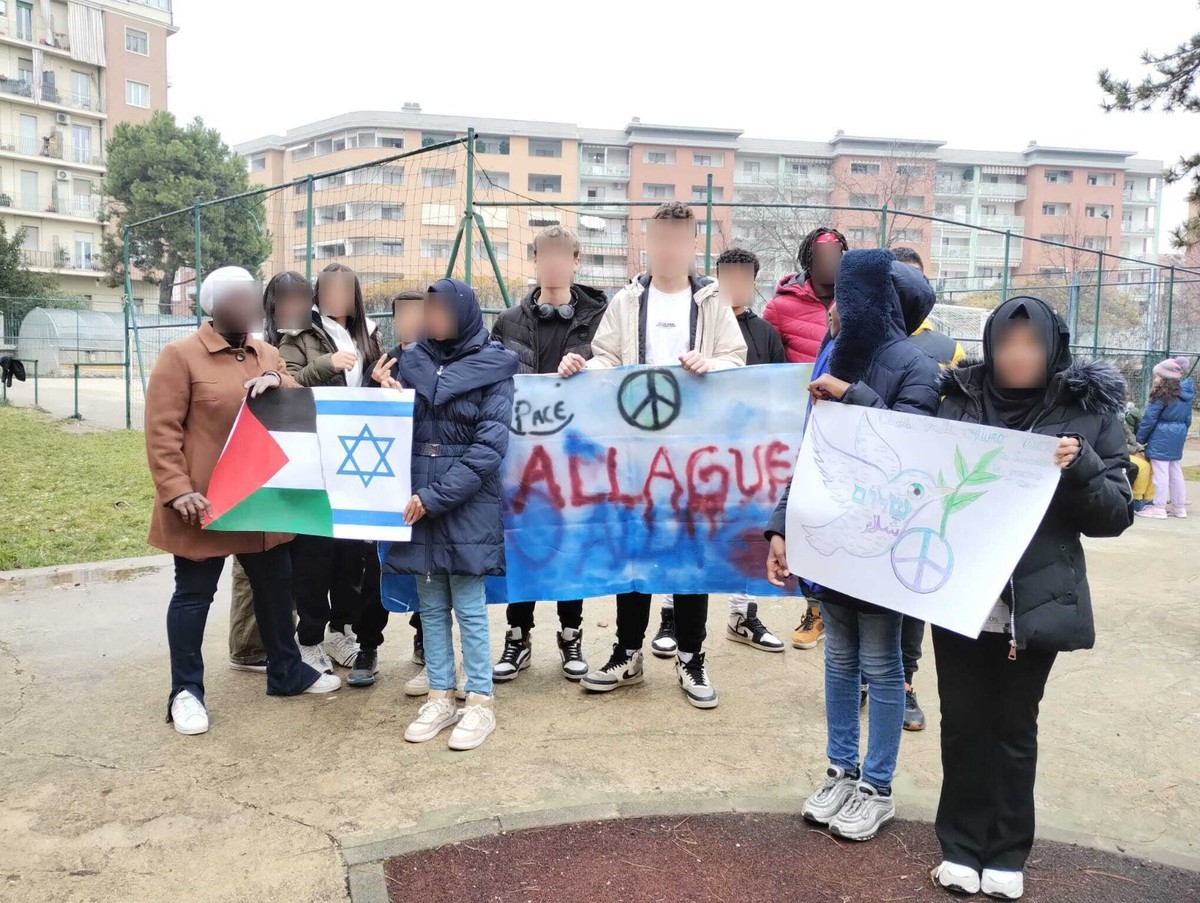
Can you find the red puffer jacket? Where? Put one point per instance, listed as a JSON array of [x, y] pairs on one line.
[[800, 316]]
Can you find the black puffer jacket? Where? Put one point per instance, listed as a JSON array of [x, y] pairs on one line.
[[763, 344], [1048, 592], [517, 327]]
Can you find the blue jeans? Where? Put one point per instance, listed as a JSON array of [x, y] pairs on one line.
[[863, 647], [439, 594]]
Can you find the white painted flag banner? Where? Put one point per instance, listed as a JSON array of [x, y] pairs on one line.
[[923, 516], [324, 462]]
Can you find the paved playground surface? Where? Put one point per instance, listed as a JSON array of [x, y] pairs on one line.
[[104, 802]]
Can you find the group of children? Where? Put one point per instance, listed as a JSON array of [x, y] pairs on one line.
[[1156, 438], [859, 338]]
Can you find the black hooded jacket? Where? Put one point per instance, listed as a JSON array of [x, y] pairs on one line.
[[1049, 595], [517, 327], [763, 344]]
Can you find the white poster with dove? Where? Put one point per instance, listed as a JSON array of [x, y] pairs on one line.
[[923, 516]]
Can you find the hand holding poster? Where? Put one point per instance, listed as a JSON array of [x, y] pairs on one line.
[[924, 516]]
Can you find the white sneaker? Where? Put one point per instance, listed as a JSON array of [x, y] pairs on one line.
[[326, 683], [824, 805], [1002, 885], [188, 714], [341, 646], [1177, 512], [958, 879], [436, 714], [476, 724], [418, 684], [314, 657]]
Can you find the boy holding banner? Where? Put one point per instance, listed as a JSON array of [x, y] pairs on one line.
[[664, 318], [880, 302]]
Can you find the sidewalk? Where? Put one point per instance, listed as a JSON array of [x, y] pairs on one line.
[[103, 801]]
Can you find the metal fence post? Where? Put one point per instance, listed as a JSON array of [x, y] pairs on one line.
[[469, 215], [128, 337], [1170, 307], [708, 224], [883, 226], [308, 228], [1007, 258], [197, 269], [1099, 291], [36, 402], [76, 416]]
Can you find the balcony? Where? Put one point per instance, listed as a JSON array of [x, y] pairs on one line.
[[1006, 221], [954, 188], [993, 255], [784, 180], [1139, 197], [606, 171], [49, 150], [49, 94], [1137, 228], [954, 252], [82, 207], [615, 273], [61, 259], [1007, 191]]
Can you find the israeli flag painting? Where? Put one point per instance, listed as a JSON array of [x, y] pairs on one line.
[[365, 436]]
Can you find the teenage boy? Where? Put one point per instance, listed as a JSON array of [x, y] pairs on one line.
[[557, 318], [737, 269], [663, 318]]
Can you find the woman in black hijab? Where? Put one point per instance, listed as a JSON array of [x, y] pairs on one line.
[[991, 687]]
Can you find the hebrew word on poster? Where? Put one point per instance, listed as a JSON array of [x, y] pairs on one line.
[[923, 516], [642, 479]]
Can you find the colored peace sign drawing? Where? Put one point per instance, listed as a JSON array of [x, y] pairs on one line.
[[922, 560], [649, 399]]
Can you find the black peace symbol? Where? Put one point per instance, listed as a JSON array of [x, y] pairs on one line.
[[649, 399]]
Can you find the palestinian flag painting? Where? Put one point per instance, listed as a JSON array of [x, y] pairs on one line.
[[325, 462]]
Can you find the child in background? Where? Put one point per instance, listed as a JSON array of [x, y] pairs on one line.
[[1143, 485], [464, 397], [1163, 431]]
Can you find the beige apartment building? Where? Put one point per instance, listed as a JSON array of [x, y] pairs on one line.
[[69, 72], [608, 181]]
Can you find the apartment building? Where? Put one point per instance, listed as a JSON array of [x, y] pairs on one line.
[[608, 182], [69, 71]]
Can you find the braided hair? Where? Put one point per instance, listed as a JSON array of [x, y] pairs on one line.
[[805, 253]]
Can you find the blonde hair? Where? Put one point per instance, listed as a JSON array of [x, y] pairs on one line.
[[557, 233]]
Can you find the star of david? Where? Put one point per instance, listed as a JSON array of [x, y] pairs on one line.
[[352, 468]]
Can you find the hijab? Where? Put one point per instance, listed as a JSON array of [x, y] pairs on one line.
[[460, 299], [1019, 409]]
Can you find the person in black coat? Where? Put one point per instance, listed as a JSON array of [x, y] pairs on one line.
[[991, 687], [557, 318], [464, 397]]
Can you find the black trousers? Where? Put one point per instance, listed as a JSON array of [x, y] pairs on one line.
[[372, 616], [570, 615], [985, 816], [333, 580], [691, 617], [912, 635]]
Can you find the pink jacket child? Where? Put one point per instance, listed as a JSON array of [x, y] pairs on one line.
[[800, 308]]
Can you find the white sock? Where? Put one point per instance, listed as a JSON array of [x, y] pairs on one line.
[[685, 657], [668, 603], [632, 652]]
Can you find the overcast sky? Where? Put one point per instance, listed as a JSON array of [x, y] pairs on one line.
[[983, 77]]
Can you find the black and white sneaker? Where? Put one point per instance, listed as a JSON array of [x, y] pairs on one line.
[[621, 670], [366, 666], [418, 656], [693, 680], [516, 655], [663, 645], [570, 650], [747, 628]]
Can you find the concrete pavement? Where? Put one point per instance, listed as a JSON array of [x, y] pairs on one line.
[[103, 801]]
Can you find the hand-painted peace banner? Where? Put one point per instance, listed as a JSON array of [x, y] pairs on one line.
[[642, 479], [923, 516]]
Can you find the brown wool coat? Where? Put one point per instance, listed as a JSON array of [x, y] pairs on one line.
[[192, 399]]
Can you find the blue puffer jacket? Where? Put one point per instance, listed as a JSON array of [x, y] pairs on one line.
[[1164, 427], [460, 434]]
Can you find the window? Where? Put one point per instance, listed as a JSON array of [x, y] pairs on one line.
[[1096, 242], [439, 214], [258, 162], [1055, 209], [395, 142], [437, 178], [82, 259], [492, 145], [81, 144], [500, 247], [302, 153], [393, 247], [1053, 236], [913, 236], [700, 193], [660, 157], [864, 200], [912, 203], [393, 213], [81, 90], [1059, 176], [137, 94], [751, 166], [543, 184], [795, 167], [1102, 179], [431, 138], [32, 239], [918, 170], [713, 160], [137, 41], [434, 248], [652, 191], [861, 235], [486, 179], [1098, 210], [25, 71], [25, 21], [545, 147], [858, 168], [987, 209]]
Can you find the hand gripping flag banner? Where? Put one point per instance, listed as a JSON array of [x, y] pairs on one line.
[[325, 462], [923, 516], [641, 479]]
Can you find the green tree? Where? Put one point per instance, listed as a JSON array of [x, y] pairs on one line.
[[1172, 86], [22, 290], [158, 167]]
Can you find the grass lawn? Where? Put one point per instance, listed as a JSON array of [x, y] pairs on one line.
[[1192, 474], [69, 497]]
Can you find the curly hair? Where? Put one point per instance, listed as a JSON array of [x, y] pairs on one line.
[[674, 210], [805, 253], [1165, 390], [909, 256], [738, 257]]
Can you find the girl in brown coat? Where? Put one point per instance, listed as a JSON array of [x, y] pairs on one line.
[[195, 390]]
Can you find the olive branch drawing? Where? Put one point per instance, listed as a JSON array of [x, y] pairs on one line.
[[959, 497]]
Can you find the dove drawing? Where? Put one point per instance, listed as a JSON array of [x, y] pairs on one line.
[[877, 495]]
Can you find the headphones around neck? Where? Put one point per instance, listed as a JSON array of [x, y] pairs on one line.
[[546, 311]]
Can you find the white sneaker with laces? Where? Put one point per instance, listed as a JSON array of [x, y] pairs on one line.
[[326, 683], [314, 657], [188, 714], [418, 684], [958, 879], [436, 714], [476, 724], [1002, 885], [341, 646]]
